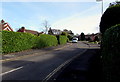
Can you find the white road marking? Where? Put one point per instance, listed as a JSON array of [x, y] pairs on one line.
[[11, 71], [60, 67]]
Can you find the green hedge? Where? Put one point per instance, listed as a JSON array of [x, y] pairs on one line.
[[45, 40], [0, 43], [62, 39], [111, 54], [16, 41], [110, 18]]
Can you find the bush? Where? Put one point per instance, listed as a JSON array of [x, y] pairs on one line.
[[111, 54], [110, 18], [62, 39], [0, 43], [16, 41], [69, 37], [45, 40], [64, 33]]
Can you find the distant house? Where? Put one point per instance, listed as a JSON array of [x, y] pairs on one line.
[[54, 31], [114, 3], [92, 36], [5, 26], [22, 29]]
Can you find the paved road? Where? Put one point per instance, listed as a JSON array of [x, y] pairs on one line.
[[85, 68], [41, 66]]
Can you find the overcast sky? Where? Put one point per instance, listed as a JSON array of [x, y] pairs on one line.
[[76, 15]]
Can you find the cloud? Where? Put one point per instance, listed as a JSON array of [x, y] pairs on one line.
[[81, 22], [77, 25]]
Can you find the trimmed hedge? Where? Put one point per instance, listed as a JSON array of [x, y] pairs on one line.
[[16, 41], [111, 54], [0, 43], [62, 39], [45, 40], [110, 18]]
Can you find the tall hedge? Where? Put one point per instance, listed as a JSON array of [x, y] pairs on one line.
[[111, 54], [45, 40], [16, 41], [110, 18], [0, 42], [62, 39]]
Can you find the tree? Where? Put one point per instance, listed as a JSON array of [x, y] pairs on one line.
[[50, 31], [96, 38], [64, 33], [46, 25], [82, 36]]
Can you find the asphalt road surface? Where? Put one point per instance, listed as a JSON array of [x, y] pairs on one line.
[[42, 66]]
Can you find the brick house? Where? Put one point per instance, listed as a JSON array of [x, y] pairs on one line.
[[5, 26], [22, 29]]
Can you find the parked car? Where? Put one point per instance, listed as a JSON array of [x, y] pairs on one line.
[[74, 40]]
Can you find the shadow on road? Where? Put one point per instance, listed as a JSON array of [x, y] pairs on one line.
[[85, 68]]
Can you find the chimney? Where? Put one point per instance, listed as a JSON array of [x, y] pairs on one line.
[[23, 29], [2, 21]]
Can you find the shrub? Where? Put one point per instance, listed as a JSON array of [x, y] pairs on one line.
[[0, 43], [111, 54], [17, 41], [110, 18], [69, 37], [45, 40], [64, 33], [62, 39]]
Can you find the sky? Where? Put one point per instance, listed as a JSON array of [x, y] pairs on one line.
[[76, 15]]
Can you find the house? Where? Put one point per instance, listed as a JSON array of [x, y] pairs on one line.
[[22, 29], [54, 31], [69, 32], [114, 3], [5, 26], [92, 36]]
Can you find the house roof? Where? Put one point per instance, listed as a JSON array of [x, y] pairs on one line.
[[22, 29], [31, 31], [5, 26]]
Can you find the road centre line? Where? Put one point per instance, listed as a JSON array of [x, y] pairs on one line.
[[11, 71]]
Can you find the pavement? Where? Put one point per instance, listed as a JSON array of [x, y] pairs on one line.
[[31, 52]]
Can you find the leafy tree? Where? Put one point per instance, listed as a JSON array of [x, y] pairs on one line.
[[70, 37], [64, 33], [96, 38], [82, 36]]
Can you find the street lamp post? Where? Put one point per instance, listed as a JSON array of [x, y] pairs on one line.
[[101, 5], [102, 8]]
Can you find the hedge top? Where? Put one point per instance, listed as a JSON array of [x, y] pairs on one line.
[[110, 18]]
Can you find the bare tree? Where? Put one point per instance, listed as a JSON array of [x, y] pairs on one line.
[[46, 25]]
